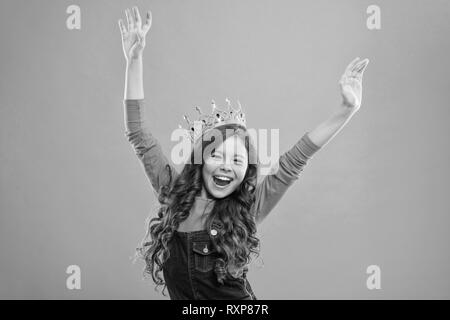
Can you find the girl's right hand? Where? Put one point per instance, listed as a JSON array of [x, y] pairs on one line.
[[133, 37]]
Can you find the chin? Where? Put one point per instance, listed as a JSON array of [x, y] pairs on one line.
[[220, 195]]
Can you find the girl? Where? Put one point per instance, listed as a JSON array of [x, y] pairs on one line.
[[205, 229]]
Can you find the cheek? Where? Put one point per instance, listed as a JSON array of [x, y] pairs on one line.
[[209, 167], [240, 172]]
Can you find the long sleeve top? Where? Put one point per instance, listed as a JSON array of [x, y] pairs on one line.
[[159, 170]]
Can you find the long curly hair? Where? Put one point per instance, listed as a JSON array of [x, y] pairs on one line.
[[236, 238]]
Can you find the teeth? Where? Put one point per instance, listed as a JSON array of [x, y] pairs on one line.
[[223, 178]]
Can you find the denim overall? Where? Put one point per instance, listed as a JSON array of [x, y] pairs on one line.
[[189, 271]]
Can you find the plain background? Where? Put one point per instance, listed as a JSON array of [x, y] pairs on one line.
[[73, 191]]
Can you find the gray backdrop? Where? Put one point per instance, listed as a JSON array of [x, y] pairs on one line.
[[73, 191]]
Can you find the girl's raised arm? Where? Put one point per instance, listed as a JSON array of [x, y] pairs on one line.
[[133, 44], [157, 168], [291, 164]]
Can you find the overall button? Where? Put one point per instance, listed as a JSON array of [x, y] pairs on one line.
[[213, 232], [204, 256]]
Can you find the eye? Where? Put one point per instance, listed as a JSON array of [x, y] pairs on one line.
[[215, 154]]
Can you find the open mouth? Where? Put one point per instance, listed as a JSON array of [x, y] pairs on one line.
[[222, 181]]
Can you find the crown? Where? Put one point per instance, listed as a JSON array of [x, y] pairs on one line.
[[216, 118]]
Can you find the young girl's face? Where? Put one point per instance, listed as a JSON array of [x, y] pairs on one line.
[[224, 170]]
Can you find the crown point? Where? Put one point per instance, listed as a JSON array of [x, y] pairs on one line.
[[187, 119], [228, 103]]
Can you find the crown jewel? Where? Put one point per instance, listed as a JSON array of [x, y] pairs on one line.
[[216, 118]]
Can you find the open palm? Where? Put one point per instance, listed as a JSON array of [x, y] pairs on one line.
[[351, 83], [133, 36]]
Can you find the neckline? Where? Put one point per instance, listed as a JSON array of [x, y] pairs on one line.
[[204, 199]]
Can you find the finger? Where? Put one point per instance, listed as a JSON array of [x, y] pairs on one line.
[[137, 17], [349, 71], [364, 69], [130, 19], [360, 74], [360, 67], [351, 64], [355, 70], [148, 21], [123, 30]]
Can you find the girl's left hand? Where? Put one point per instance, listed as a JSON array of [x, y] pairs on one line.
[[351, 84]]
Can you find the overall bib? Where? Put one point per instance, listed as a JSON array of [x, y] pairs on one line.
[[189, 271]]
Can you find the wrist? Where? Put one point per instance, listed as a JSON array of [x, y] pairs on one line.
[[134, 60], [346, 110]]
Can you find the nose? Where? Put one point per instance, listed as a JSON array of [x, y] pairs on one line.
[[225, 167]]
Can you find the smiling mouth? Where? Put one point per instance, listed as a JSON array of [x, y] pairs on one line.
[[222, 181]]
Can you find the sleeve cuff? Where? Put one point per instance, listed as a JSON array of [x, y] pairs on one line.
[[307, 146], [133, 102]]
